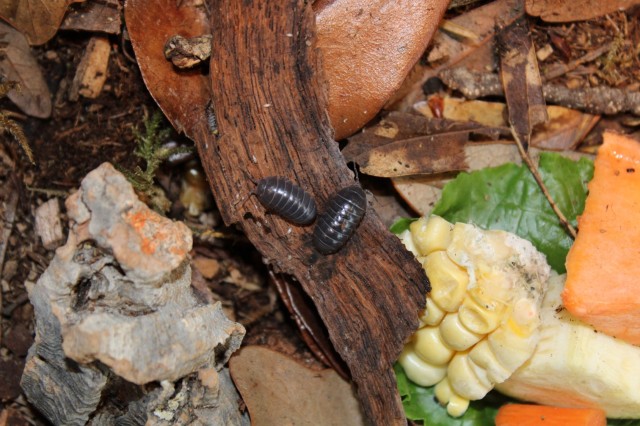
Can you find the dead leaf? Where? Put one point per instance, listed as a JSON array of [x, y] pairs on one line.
[[280, 391], [94, 16], [38, 20], [420, 155], [405, 144], [368, 48], [150, 24], [564, 130], [18, 64], [448, 50], [580, 10], [521, 80]]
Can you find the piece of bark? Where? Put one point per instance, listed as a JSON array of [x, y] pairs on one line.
[[595, 100], [91, 73], [48, 225], [101, 16], [270, 105], [312, 330]]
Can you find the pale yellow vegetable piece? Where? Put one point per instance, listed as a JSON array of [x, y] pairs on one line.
[[575, 366], [482, 316]]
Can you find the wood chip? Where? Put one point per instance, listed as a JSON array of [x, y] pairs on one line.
[[92, 70], [48, 225]]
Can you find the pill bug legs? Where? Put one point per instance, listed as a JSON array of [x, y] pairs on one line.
[[281, 196], [335, 226]]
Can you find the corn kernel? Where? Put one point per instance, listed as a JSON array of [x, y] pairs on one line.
[[448, 281], [429, 346], [456, 335], [419, 371], [433, 314], [463, 379]]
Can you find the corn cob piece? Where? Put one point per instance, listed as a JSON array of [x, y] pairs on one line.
[[576, 366], [482, 316]]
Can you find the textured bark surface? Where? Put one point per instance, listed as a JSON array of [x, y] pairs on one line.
[[271, 107]]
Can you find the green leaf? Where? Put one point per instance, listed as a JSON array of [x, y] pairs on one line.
[[508, 198], [401, 225], [420, 405]]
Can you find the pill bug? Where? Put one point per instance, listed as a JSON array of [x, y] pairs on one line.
[[283, 197], [212, 120], [335, 226]]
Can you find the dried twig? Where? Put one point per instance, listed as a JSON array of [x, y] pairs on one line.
[[557, 70], [595, 100]]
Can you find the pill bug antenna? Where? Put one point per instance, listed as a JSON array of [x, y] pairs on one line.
[[244, 199], [354, 166]]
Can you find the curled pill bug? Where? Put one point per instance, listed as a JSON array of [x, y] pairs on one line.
[[337, 224], [283, 197]]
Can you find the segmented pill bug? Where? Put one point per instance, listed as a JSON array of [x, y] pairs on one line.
[[285, 198], [335, 226], [212, 120]]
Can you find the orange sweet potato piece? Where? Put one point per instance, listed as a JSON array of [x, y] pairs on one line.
[[603, 265], [533, 415]]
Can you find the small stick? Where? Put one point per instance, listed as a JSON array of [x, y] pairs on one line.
[[595, 100], [536, 175], [560, 69]]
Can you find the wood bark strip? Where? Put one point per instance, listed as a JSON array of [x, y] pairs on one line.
[[271, 107]]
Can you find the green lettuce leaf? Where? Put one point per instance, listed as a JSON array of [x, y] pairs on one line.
[[508, 198], [401, 225], [420, 405]]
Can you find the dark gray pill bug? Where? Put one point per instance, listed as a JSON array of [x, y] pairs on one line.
[[283, 197], [337, 224]]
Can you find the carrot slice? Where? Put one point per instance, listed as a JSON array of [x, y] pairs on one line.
[[533, 415], [603, 265]]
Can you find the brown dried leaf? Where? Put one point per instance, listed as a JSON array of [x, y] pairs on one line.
[[448, 50], [94, 16], [181, 94], [420, 155], [481, 21], [408, 144], [368, 49], [38, 20], [580, 10], [565, 129], [18, 64], [280, 391], [521, 80]]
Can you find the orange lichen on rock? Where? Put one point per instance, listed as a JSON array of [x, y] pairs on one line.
[[602, 266]]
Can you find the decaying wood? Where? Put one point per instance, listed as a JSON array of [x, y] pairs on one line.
[[48, 225], [271, 106], [119, 292], [595, 100], [92, 69]]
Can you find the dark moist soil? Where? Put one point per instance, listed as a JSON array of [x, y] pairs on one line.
[[77, 138]]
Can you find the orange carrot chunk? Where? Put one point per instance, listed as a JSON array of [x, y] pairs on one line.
[[603, 265], [533, 415]]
